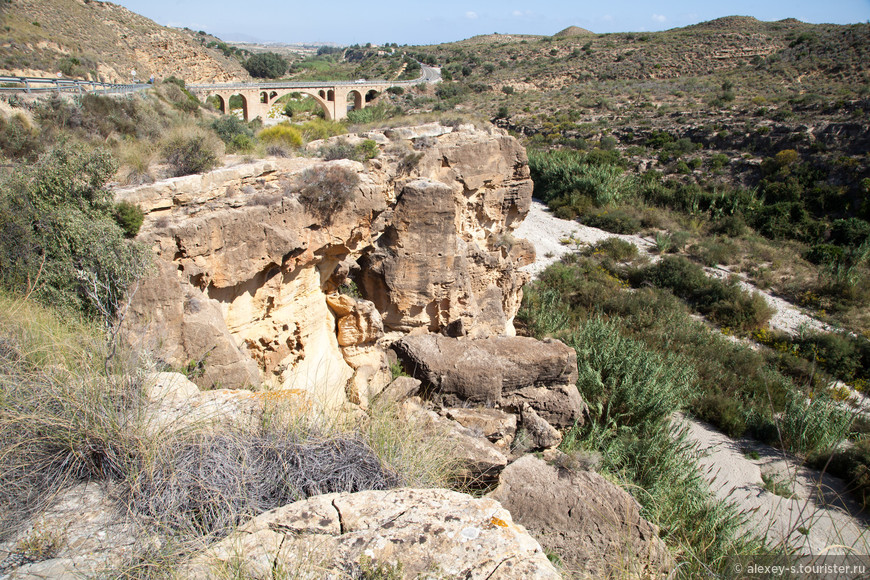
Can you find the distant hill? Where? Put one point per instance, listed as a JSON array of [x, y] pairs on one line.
[[103, 41], [572, 31]]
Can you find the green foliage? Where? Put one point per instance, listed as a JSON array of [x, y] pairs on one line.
[[368, 149], [617, 249], [228, 127], [625, 383], [372, 114], [129, 216], [281, 134], [817, 425], [571, 179], [59, 239], [723, 302], [616, 221], [322, 129], [266, 65]]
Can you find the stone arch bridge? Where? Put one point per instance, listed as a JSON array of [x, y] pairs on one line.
[[335, 98]]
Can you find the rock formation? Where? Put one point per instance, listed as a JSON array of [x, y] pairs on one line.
[[411, 533], [245, 264], [508, 372], [593, 525]]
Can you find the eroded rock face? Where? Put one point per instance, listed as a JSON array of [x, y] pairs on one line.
[[244, 268], [594, 525], [426, 531], [505, 371]]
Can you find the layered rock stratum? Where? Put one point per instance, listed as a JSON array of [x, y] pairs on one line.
[[247, 269]]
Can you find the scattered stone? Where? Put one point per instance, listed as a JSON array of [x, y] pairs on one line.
[[543, 435], [593, 525], [479, 461]]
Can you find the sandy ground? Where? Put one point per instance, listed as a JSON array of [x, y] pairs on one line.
[[820, 518], [547, 232]]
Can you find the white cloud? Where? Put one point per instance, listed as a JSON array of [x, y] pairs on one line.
[[659, 17], [471, 15], [607, 18]]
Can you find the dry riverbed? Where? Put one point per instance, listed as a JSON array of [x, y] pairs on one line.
[[819, 518]]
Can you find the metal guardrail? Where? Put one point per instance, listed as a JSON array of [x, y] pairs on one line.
[[301, 84], [64, 85]]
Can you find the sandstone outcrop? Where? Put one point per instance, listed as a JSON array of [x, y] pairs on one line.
[[80, 534], [245, 267], [508, 372], [478, 461], [410, 532], [593, 525]]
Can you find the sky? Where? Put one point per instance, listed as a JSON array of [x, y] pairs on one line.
[[425, 22]]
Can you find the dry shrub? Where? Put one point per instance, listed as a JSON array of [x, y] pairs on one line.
[[191, 149], [326, 189]]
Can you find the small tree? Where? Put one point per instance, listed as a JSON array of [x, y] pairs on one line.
[[266, 65]]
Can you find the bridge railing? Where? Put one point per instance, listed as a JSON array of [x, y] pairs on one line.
[[63, 85]]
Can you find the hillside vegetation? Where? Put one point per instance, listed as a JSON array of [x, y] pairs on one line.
[[103, 41]]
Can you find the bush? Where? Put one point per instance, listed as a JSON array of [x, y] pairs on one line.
[[723, 302], [58, 237], [617, 249], [615, 221], [281, 134], [19, 139], [266, 65], [813, 426], [192, 151], [322, 129], [129, 216], [625, 383], [326, 189], [338, 149], [368, 149], [228, 127]]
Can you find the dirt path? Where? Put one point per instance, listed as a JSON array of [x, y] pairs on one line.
[[820, 518]]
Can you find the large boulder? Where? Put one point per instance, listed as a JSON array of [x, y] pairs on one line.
[[504, 371], [415, 532], [593, 525], [478, 461]]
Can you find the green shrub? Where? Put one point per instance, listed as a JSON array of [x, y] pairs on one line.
[[326, 189], [228, 126], [723, 302], [368, 149], [129, 216], [266, 65], [322, 129], [192, 151], [723, 411], [281, 134], [616, 221], [58, 238], [625, 383], [817, 425], [617, 249]]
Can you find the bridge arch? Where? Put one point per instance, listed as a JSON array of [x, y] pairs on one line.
[[355, 100], [221, 103], [371, 95]]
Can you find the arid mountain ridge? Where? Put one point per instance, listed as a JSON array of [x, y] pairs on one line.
[[103, 41]]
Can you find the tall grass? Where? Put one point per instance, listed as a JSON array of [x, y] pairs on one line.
[[67, 416]]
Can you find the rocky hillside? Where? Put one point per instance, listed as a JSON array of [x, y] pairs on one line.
[[250, 258], [103, 41]]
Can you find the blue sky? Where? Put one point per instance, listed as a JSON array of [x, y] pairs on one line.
[[421, 22]]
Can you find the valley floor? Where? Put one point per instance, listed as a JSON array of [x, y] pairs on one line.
[[820, 518]]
